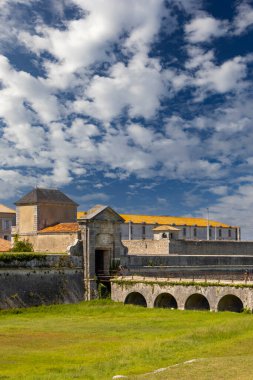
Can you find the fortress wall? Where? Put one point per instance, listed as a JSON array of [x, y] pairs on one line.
[[48, 280], [185, 260], [189, 247], [147, 247]]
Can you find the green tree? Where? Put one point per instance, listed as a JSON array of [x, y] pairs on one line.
[[21, 245]]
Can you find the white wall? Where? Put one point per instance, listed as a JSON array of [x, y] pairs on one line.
[[137, 232]]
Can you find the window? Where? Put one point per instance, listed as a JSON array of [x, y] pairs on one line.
[[195, 232], [229, 233], [210, 232], [220, 233], [7, 224]]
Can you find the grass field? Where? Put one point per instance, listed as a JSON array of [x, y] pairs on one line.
[[101, 339]]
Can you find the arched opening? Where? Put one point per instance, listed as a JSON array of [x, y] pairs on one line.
[[166, 301], [135, 298], [197, 302], [230, 303]]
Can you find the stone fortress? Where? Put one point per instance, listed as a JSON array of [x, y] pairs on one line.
[[167, 269]]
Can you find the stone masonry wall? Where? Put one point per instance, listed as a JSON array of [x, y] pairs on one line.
[[121, 289], [188, 247], [147, 247], [48, 280], [182, 247]]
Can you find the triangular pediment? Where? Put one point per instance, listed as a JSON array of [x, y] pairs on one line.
[[100, 212]]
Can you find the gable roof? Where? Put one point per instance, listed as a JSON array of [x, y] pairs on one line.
[[6, 210], [39, 195], [61, 228], [96, 210], [5, 245], [166, 228]]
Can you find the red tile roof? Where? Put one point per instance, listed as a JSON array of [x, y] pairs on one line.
[[5, 245], [61, 227]]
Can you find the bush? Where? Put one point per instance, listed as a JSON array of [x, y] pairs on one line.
[[21, 245]]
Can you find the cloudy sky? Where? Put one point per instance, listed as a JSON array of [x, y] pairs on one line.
[[145, 105]]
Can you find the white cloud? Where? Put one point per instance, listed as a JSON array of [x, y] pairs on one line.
[[198, 57], [224, 78], [88, 40], [204, 28], [235, 209], [137, 86], [95, 197], [140, 135], [20, 87], [244, 18], [219, 190], [16, 180]]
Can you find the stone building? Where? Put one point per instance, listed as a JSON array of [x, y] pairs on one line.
[[7, 220], [47, 218], [140, 227]]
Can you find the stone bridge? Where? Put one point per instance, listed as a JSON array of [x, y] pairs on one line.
[[183, 295]]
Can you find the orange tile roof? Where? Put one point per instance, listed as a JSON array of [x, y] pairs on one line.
[[5, 245], [61, 228], [171, 220], [167, 220]]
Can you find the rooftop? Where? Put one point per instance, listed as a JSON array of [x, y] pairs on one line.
[[6, 210], [166, 228], [39, 195], [5, 245], [61, 227], [171, 220]]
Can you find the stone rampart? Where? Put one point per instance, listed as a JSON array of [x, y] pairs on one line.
[[190, 247], [187, 266], [185, 260], [49, 279], [147, 247]]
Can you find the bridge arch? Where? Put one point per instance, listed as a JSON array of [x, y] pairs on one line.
[[230, 302], [197, 301], [165, 300], [135, 298]]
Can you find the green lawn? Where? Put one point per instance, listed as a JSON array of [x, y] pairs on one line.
[[101, 339]]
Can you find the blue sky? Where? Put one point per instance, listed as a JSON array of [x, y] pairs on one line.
[[145, 105]]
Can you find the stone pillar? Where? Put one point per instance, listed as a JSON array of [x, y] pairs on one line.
[[90, 285]]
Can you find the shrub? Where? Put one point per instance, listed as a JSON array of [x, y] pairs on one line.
[[21, 245]]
